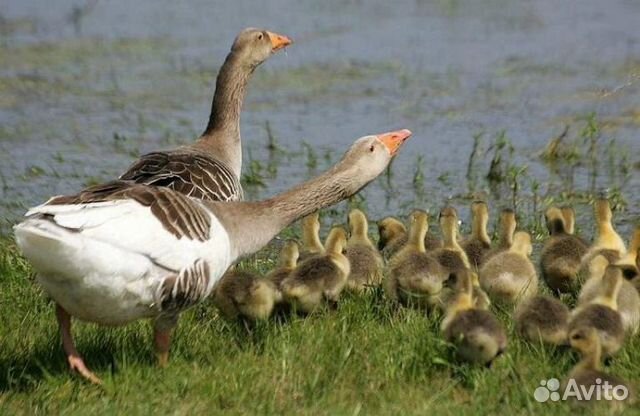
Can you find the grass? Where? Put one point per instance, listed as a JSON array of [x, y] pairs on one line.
[[367, 357]]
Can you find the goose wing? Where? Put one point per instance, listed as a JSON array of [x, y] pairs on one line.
[[189, 172]]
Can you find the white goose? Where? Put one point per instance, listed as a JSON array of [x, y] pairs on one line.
[[118, 252]]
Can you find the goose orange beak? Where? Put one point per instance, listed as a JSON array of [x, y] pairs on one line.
[[278, 41], [394, 139]]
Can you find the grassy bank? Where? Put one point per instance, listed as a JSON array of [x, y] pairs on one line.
[[367, 357]]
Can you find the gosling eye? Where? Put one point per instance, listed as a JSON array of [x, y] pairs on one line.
[[372, 148], [260, 36]]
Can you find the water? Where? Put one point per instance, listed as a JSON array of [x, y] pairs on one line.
[[81, 96]]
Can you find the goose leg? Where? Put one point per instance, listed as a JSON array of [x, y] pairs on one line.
[[162, 330], [75, 361]]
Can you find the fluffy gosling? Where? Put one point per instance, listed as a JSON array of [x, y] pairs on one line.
[[320, 278], [477, 334], [561, 255], [509, 277]]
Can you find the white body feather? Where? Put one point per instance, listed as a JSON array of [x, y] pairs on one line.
[[105, 262]]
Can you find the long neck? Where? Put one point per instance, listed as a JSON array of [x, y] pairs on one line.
[[222, 135], [417, 232], [634, 244], [609, 296], [506, 237], [479, 228], [311, 239], [461, 301], [288, 259], [359, 231], [604, 228], [334, 244], [449, 235], [251, 225]]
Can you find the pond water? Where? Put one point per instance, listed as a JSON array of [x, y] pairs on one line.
[[86, 86]]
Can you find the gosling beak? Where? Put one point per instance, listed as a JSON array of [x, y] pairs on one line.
[[394, 139], [278, 41]]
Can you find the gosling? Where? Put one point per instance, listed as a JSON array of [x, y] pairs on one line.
[[320, 278], [628, 299], [628, 262], [451, 256], [244, 295], [561, 255], [506, 229], [415, 277], [366, 261], [392, 236], [542, 318], [607, 242], [311, 244], [602, 313], [510, 277], [477, 334], [588, 373], [478, 244], [287, 261]]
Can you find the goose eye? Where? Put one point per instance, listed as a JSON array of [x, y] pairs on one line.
[[372, 148]]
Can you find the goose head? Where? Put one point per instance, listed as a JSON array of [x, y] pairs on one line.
[[254, 46], [369, 156]]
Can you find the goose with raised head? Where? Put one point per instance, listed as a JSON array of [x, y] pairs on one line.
[[319, 279], [478, 244], [415, 277], [366, 261], [628, 300], [601, 313], [562, 253], [510, 277], [210, 168], [118, 252]]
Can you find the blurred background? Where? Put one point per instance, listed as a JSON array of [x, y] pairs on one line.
[[532, 102]]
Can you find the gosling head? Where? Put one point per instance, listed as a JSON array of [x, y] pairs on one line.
[[602, 210], [585, 340], [289, 254], [555, 221]]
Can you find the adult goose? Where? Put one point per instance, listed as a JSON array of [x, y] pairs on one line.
[[210, 168], [118, 252]]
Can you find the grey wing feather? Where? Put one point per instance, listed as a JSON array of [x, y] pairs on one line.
[[191, 173]]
